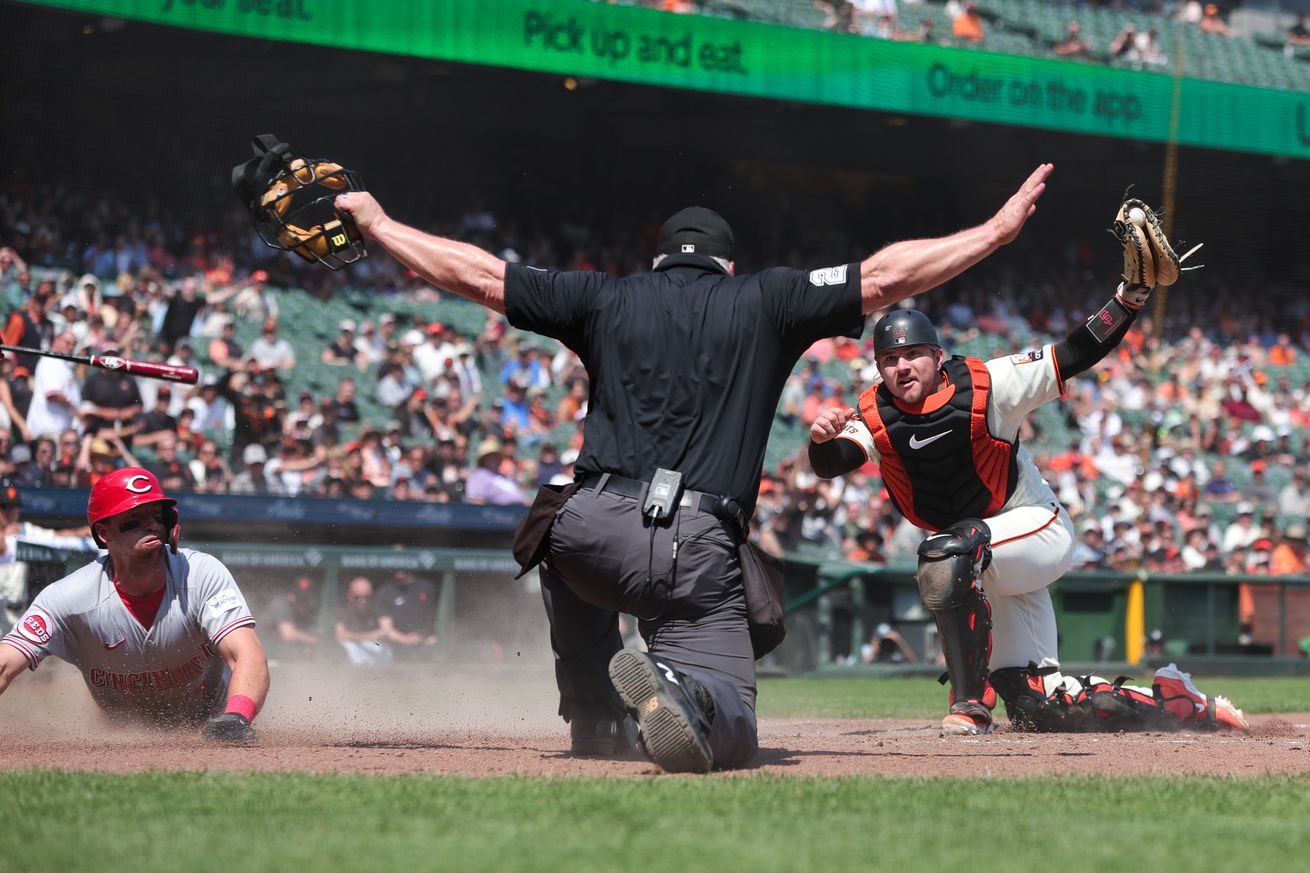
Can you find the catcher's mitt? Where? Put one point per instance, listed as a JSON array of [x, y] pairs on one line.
[[292, 201], [1149, 259]]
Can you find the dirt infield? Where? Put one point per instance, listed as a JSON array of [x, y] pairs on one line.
[[491, 723]]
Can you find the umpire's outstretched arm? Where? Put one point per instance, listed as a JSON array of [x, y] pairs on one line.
[[907, 268], [890, 274], [454, 266]]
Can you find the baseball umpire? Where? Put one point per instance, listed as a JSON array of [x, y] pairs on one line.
[[162, 635], [944, 432], [686, 365]]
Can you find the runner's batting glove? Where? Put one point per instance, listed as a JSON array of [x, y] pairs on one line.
[[231, 728]]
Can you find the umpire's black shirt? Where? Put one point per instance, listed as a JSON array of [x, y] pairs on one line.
[[686, 364]]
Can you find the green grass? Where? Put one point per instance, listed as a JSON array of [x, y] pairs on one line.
[[292, 822], [246, 822], [921, 697]]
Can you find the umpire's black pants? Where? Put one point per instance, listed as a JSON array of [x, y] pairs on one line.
[[606, 558]]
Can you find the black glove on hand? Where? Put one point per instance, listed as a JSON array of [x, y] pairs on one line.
[[232, 728]]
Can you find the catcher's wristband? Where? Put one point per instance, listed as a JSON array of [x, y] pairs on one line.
[[1133, 297], [1112, 316]]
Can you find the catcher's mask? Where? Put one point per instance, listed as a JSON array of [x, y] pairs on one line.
[[293, 201], [127, 489]]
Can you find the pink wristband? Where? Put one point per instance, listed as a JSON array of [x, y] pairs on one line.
[[242, 705]]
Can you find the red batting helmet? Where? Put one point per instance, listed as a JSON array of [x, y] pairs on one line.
[[127, 489]]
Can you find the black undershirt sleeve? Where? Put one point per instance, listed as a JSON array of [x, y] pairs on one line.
[[835, 457], [1088, 343]]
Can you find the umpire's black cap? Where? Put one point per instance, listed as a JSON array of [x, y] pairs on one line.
[[696, 230], [904, 327]]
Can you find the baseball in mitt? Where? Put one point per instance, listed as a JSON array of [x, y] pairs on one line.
[[1149, 259]]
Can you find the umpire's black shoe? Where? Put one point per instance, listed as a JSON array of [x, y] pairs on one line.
[[671, 720], [601, 735]]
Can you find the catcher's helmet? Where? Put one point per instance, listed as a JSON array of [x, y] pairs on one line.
[[292, 199], [904, 327], [127, 489]]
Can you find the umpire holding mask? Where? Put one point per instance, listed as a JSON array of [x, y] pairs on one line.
[[686, 364]]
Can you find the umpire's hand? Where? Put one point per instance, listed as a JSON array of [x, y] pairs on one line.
[[230, 728], [364, 208]]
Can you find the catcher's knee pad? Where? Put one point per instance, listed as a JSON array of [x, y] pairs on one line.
[[950, 562], [1028, 705]]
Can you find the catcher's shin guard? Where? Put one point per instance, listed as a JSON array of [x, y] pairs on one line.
[[1030, 707], [950, 563]]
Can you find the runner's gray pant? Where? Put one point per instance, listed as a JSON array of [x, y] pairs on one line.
[[606, 558]]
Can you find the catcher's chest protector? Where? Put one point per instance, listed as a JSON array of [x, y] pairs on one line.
[[939, 462]]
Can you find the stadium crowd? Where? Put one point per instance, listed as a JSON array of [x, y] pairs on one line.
[[1182, 454]]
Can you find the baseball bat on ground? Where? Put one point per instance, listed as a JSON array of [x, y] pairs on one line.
[[149, 369]]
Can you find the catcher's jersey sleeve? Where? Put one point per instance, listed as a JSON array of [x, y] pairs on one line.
[[1020, 383], [856, 431]]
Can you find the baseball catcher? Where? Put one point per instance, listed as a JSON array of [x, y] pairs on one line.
[[945, 433], [292, 200]]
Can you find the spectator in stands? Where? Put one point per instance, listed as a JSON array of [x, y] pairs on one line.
[[210, 408], [358, 630], [394, 388], [39, 472], [100, 456], [56, 391], [12, 419], [172, 472], [1299, 33], [1212, 22], [14, 278], [1124, 45], [157, 420], [887, 645], [376, 468], [295, 615], [367, 351], [407, 610], [1220, 488], [1260, 489], [1289, 556], [838, 15], [1072, 45], [180, 314], [573, 405], [487, 484], [1148, 48], [110, 400], [272, 352], [209, 470], [344, 407], [967, 27], [1283, 353], [251, 479], [256, 301], [1243, 531], [514, 412], [30, 328], [225, 351], [341, 351], [1294, 498], [1089, 551], [549, 464]]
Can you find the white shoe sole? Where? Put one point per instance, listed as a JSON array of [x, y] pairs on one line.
[[959, 726], [667, 735]]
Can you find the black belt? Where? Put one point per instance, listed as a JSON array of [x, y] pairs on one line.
[[636, 488]]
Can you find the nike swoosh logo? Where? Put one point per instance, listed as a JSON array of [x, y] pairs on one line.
[[916, 443], [115, 645]]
